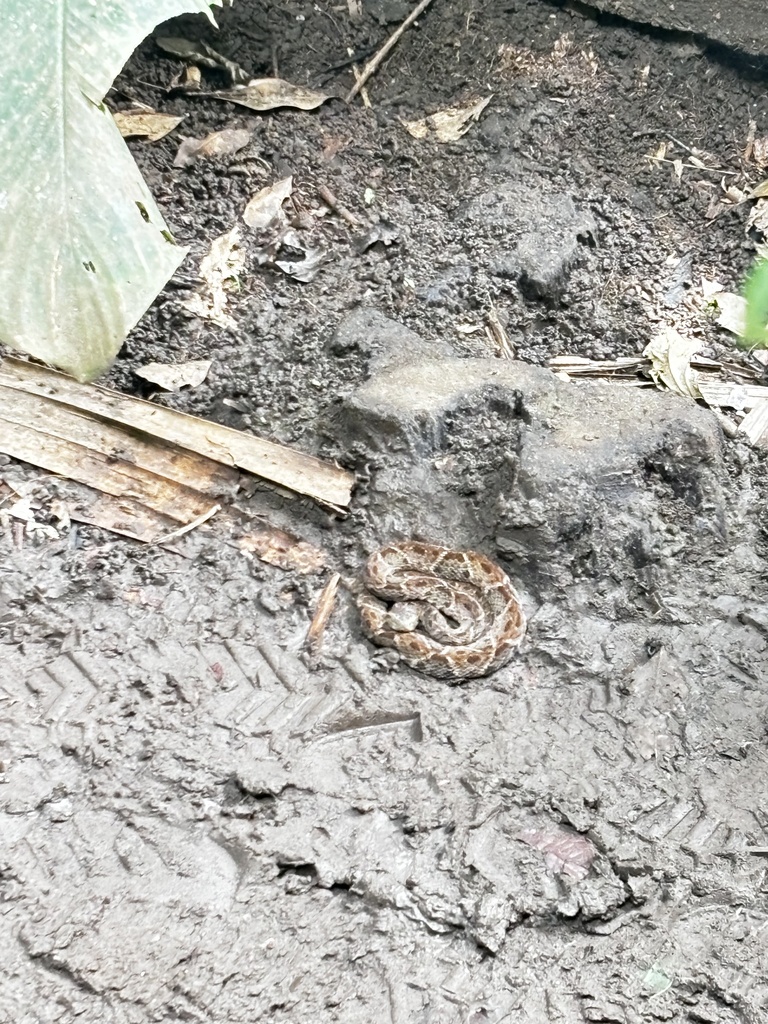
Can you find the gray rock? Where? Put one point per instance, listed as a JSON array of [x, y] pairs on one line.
[[571, 480], [742, 25]]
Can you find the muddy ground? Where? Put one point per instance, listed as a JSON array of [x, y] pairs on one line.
[[197, 822]]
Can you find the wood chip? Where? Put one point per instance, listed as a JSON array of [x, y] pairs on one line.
[[325, 605]]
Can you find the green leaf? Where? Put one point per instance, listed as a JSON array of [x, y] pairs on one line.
[[85, 249], [756, 294]]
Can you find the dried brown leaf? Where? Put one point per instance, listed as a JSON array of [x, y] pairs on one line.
[[271, 93], [447, 125], [147, 124], [219, 271], [759, 191], [266, 207], [217, 144], [670, 354]]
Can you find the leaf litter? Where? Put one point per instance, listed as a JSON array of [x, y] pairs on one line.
[[143, 122], [447, 125], [219, 272], [217, 144], [263, 94], [174, 376]]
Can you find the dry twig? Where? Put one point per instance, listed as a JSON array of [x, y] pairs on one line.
[[378, 57], [325, 605], [330, 200], [168, 537]]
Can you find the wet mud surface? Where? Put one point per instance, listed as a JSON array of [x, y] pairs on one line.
[[200, 822]]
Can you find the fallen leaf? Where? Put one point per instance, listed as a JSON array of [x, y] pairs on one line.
[[271, 93], [217, 144], [757, 221], [202, 53], [147, 124], [173, 376], [759, 191], [219, 271], [384, 231], [189, 79], [306, 266], [732, 311], [447, 125], [281, 549], [22, 509], [760, 152], [265, 209], [670, 354], [566, 853]]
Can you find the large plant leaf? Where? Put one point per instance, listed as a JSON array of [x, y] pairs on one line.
[[84, 248], [756, 294]]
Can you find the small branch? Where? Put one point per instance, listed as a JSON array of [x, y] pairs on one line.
[[331, 201], [322, 614], [166, 538], [374, 62]]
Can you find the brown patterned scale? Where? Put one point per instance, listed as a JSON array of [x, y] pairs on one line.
[[451, 614]]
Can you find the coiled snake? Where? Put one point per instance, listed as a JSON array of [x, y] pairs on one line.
[[470, 615]]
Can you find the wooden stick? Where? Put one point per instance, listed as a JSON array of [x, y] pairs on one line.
[[331, 201], [322, 613], [377, 58], [167, 537]]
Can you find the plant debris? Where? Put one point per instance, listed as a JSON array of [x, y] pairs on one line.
[[299, 261], [98, 436], [143, 122], [174, 376], [383, 231], [325, 605], [670, 354], [447, 125], [219, 272], [203, 54], [217, 144], [265, 209], [271, 93]]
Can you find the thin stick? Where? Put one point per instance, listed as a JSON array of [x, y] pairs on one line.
[[330, 200], [175, 534], [323, 613], [363, 91], [374, 62]]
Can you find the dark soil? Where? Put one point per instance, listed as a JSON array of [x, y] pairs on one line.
[[200, 823]]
